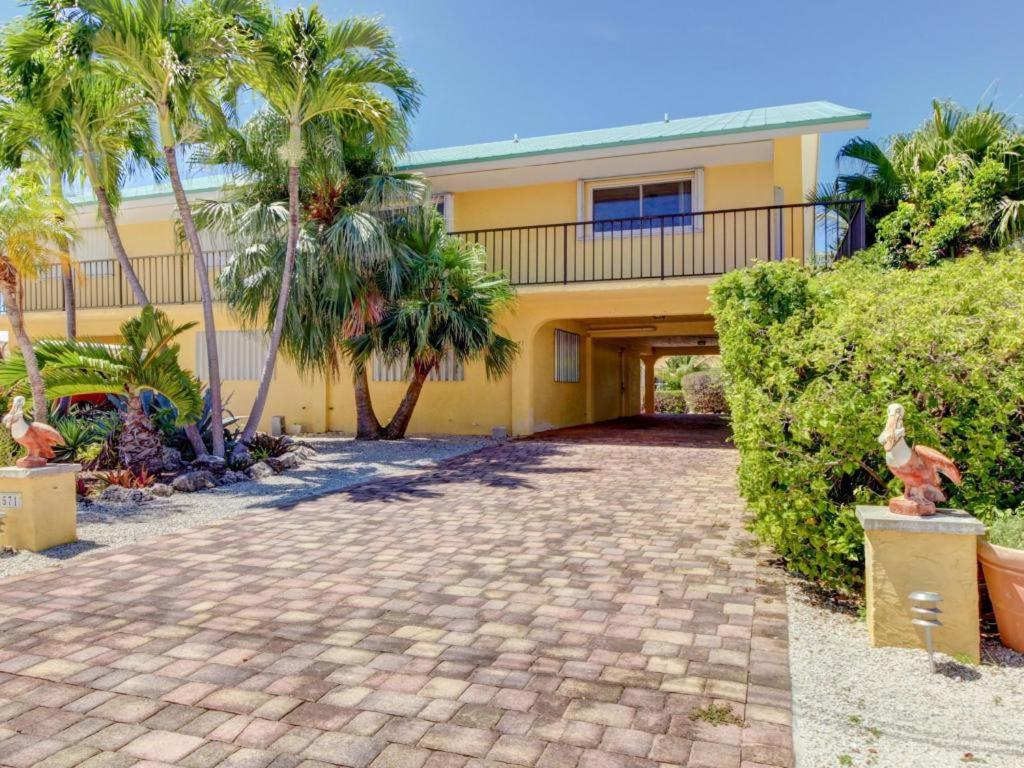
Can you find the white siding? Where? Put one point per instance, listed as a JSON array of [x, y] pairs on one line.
[[242, 354]]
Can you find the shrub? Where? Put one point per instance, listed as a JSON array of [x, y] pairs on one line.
[[811, 363], [669, 401], [705, 392], [263, 446], [78, 434], [1008, 531], [125, 478]]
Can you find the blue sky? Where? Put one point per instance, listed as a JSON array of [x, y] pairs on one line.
[[491, 69]]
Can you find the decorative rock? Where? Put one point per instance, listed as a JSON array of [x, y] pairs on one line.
[[194, 481], [290, 460], [209, 463], [231, 477], [171, 459], [161, 489], [116, 494], [259, 470], [304, 451]]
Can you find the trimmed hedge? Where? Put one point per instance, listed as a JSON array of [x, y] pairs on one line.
[[669, 401], [811, 363], [705, 392]]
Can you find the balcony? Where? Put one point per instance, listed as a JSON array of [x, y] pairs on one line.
[[699, 244]]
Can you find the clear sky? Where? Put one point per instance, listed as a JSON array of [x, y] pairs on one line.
[[491, 69]]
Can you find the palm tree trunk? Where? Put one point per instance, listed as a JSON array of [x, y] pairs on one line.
[[9, 288], [367, 425], [395, 430], [70, 308], [139, 447], [256, 413], [107, 213], [206, 293]]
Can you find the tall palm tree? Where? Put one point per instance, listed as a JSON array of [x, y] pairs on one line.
[[30, 220], [448, 305], [102, 120], [146, 360], [183, 57], [309, 68], [345, 263]]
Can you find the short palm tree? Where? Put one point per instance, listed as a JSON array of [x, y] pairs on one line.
[[345, 263], [884, 172], [184, 58], [146, 360], [307, 69], [448, 305], [31, 219]]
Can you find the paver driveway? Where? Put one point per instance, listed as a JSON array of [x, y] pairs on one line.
[[568, 600]]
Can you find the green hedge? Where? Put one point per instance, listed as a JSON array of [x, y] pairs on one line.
[[705, 392], [669, 401], [812, 362]]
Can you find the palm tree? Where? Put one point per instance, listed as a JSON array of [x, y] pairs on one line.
[[345, 265], [101, 119], [146, 360], [448, 305], [309, 68], [184, 59], [30, 219], [884, 173]]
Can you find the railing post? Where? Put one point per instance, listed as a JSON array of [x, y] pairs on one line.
[[565, 254], [120, 283]]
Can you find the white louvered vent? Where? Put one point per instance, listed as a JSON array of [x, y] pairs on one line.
[[567, 356], [241, 353], [449, 369]]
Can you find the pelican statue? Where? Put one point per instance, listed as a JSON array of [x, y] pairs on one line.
[[918, 467], [38, 439]]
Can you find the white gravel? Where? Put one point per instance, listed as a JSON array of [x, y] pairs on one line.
[[854, 705], [341, 462]]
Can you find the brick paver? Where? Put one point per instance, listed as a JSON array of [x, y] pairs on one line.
[[564, 601]]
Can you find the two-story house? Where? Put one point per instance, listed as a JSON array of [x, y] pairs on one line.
[[612, 238]]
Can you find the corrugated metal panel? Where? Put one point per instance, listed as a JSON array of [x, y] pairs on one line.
[[242, 354], [567, 356], [449, 369], [767, 118]]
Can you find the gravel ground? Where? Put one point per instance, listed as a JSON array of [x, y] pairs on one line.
[[341, 463], [854, 705]]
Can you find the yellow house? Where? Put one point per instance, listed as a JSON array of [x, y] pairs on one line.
[[611, 237]]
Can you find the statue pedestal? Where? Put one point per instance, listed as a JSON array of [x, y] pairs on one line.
[[906, 554], [38, 506]]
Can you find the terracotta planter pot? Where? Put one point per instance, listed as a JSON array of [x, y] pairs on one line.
[[1004, 575]]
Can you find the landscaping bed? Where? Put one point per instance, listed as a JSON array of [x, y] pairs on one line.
[[325, 463], [854, 705]]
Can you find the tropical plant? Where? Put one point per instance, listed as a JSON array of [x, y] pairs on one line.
[[30, 219], [307, 69], [448, 304], [100, 120], [263, 446], [813, 360], [950, 147], [678, 366], [185, 59], [345, 266], [146, 360], [126, 478], [78, 434]]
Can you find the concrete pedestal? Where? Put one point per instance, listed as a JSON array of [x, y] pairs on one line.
[[38, 506], [934, 554]]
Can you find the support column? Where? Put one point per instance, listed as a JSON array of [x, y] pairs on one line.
[[906, 554], [649, 361]]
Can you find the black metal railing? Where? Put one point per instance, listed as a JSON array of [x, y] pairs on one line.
[[701, 243], [100, 283]]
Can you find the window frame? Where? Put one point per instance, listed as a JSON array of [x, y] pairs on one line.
[[585, 195], [574, 348], [448, 200]]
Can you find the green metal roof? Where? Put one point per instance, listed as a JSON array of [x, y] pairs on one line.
[[810, 113]]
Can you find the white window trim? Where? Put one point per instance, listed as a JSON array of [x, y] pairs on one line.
[[449, 208], [585, 200]]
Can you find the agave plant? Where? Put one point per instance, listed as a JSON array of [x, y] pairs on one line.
[[145, 361]]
